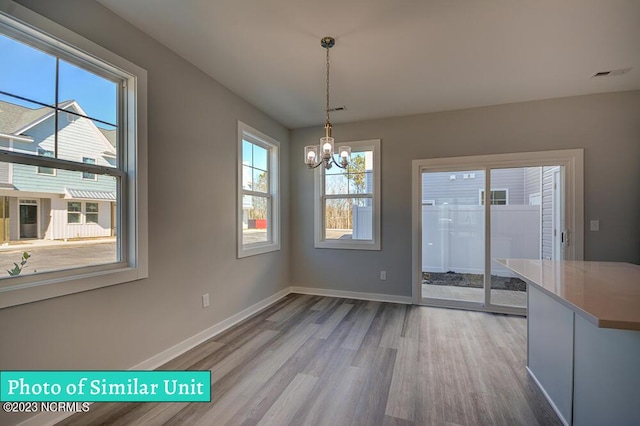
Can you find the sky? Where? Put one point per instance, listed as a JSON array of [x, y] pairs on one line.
[[30, 73]]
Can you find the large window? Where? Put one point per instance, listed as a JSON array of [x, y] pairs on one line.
[[348, 201], [72, 137], [258, 189]]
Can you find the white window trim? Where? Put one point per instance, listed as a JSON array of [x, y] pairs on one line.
[[95, 162], [319, 232], [78, 213], [55, 171], [85, 212], [571, 159], [134, 230], [273, 146], [481, 194]]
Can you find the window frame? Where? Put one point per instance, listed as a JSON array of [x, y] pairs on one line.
[[41, 152], [481, 196], [320, 198], [74, 212], [23, 24], [256, 137], [87, 213], [95, 176]]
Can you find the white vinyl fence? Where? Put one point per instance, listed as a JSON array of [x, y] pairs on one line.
[[362, 222], [453, 237]]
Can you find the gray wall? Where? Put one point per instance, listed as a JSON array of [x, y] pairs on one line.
[[192, 219], [607, 126]]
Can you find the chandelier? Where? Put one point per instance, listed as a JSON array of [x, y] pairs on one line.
[[315, 155]]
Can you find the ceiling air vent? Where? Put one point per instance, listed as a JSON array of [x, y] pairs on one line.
[[611, 73]]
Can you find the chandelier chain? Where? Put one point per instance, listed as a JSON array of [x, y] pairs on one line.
[[327, 109]]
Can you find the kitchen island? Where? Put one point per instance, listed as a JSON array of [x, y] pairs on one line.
[[583, 337]]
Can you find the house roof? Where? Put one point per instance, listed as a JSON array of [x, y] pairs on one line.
[[83, 194], [110, 135], [15, 119]]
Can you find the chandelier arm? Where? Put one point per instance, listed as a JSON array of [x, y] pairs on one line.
[[339, 164], [316, 166]]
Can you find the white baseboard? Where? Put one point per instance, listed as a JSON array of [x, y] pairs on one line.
[[193, 341], [376, 297], [50, 419], [546, 395]]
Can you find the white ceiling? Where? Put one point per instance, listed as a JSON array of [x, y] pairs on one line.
[[397, 57]]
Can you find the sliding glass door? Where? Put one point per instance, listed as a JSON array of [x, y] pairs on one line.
[[462, 228], [453, 254]]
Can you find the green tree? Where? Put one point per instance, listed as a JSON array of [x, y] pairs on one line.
[[355, 172]]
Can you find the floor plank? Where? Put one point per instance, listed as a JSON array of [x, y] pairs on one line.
[[318, 360]]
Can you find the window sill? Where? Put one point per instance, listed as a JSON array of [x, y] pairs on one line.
[[33, 288], [256, 249], [348, 245]]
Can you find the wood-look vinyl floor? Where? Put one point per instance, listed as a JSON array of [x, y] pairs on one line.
[[311, 360]]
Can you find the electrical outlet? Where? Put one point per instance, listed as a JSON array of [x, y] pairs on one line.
[[383, 275], [595, 225], [205, 300]]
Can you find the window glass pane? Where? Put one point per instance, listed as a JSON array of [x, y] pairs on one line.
[[336, 184], [95, 95], [259, 180], [57, 209], [360, 183], [255, 219], [247, 153], [74, 206], [247, 178], [259, 157], [349, 219], [31, 73], [81, 138], [73, 218]]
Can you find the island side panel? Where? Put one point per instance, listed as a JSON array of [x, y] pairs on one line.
[[607, 375], [550, 349]]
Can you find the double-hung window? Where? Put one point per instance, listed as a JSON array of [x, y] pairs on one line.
[[258, 192], [88, 175], [347, 201], [72, 138], [499, 197], [46, 170]]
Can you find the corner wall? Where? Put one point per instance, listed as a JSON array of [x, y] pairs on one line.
[[192, 123], [605, 125]]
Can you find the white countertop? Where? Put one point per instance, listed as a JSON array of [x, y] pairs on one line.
[[606, 293]]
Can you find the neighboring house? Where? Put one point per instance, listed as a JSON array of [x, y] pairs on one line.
[[45, 203]]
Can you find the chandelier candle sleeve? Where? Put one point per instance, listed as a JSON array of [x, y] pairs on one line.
[[310, 155]]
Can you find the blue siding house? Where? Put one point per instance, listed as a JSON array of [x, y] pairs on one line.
[[46, 203]]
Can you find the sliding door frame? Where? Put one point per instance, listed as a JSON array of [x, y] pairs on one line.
[[572, 161]]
